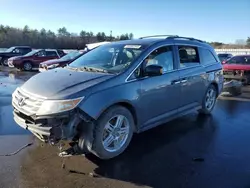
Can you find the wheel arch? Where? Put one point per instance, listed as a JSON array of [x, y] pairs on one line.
[[27, 61], [128, 106]]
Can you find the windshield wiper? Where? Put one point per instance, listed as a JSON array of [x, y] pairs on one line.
[[72, 68], [92, 69]]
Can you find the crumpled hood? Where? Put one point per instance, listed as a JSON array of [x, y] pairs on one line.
[[61, 82], [236, 67], [53, 61]]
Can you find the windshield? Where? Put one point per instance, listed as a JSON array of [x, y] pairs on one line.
[[31, 53], [113, 58], [223, 55], [71, 55], [10, 49]]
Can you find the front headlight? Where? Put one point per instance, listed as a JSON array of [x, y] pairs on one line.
[[53, 66], [56, 106]]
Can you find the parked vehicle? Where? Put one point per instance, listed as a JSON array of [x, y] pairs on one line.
[[12, 52], [237, 68], [102, 98], [34, 58], [224, 56], [55, 63]]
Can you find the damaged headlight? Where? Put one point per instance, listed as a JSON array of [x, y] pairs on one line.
[[57, 106]]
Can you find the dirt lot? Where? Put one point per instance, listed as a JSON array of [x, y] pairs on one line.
[[192, 151]]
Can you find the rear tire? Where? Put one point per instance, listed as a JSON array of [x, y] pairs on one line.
[[27, 66], [4, 61], [209, 100], [115, 124]]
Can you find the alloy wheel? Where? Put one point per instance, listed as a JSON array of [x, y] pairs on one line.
[[115, 133]]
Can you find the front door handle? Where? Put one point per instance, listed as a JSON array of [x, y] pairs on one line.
[[176, 82]]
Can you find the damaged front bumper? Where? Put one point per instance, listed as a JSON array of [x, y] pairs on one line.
[[240, 78], [232, 86], [50, 128]]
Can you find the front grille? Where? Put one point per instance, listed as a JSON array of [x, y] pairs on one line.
[[233, 72], [26, 103], [228, 72]]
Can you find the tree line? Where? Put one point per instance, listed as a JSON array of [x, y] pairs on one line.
[[62, 39]]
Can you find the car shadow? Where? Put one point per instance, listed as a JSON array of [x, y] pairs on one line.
[[159, 157]]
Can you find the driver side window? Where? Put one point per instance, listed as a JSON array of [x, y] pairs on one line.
[[162, 56], [40, 54], [17, 51]]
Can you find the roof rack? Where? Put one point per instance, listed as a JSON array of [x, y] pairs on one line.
[[173, 37], [152, 36], [187, 38]]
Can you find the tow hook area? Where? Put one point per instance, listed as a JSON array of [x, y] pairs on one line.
[[78, 129], [64, 130], [233, 87]]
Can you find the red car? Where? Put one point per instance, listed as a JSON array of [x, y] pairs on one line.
[[32, 59], [237, 68], [55, 63]]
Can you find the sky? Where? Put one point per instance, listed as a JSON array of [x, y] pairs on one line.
[[210, 20]]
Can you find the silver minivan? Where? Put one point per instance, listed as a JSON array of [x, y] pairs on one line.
[[102, 98]]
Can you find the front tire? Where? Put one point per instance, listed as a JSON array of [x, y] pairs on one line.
[[209, 100], [27, 66], [113, 132]]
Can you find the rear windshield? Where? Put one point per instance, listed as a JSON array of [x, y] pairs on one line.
[[112, 58], [223, 55], [244, 60]]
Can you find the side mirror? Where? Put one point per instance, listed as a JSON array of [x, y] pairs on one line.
[[153, 70]]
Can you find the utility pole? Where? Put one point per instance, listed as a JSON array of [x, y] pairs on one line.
[[110, 35]]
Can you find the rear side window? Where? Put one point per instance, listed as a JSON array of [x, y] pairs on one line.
[[51, 53], [188, 56], [24, 50], [207, 56]]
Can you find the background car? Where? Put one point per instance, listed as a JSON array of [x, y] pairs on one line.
[[224, 56], [34, 58], [50, 64], [12, 52], [54, 63], [237, 68]]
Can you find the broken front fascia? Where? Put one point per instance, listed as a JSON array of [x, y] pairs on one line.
[[53, 128]]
